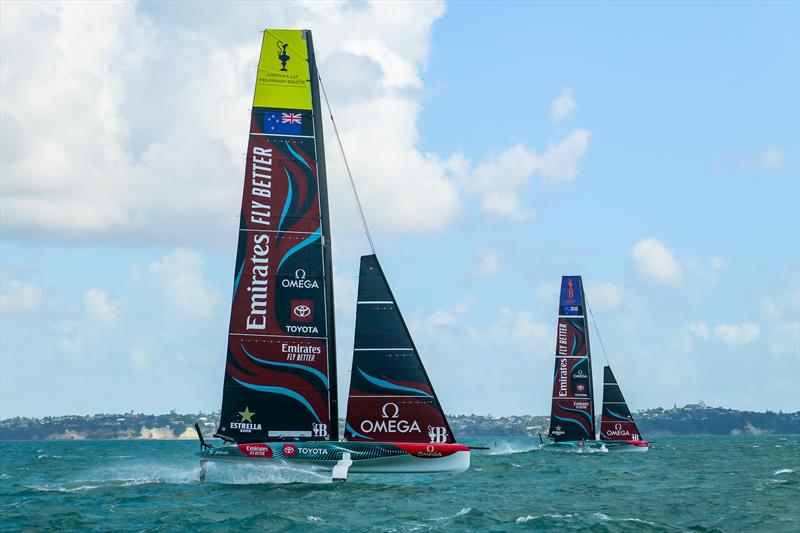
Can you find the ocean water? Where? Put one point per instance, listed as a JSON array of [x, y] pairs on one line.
[[682, 484]]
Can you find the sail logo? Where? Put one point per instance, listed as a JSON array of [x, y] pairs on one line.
[[430, 451], [389, 406], [562, 377], [557, 431], [618, 431], [562, 339], [299, 281], [246, 424], [283, 57], [580, 375], [289, 450], [299, 352], [259, 284], [437, 434], [302, 311], [390, 422], [319, 430]]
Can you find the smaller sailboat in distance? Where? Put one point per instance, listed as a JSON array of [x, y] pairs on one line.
[[572, 415]]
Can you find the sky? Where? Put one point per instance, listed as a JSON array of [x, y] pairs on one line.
[[651, 148]]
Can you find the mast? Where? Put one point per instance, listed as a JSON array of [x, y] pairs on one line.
[[572, 409], [280, 374], [391, 397], [333, 389]]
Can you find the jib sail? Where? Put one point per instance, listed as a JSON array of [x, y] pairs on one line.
[[572, 410], [280, 376], [616, 422], [391, 398]]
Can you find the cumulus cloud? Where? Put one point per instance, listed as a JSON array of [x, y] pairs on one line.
[[730, 334], [564, 105], [772, 159], [126, 123], [604, 295], [486, 264], [20, 297], [734, 335], [502, 177], [99, 305], [653, 262], [180, 277]]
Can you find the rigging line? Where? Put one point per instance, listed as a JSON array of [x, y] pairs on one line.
[[347, 166], [341, 149], [605, 356]]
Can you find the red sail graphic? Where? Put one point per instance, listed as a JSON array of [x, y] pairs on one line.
[[391, 398], [280, 378], [572, 410]]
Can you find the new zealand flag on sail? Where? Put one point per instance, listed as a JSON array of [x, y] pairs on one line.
[[283, 123]]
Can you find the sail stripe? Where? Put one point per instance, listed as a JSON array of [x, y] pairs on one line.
[[356, 433], [571, 420], [314, 371], [288, 198], [615, 415], [308, 240], [391, 303], [279, 390], [298, 156], [389, 385], [383, 349]]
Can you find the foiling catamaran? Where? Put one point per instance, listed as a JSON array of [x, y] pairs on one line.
[[572, 418], [280, 389]]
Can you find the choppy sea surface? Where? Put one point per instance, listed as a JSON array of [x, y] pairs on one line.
[[740, 483]]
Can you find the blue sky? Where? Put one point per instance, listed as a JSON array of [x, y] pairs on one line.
[[651, 148]]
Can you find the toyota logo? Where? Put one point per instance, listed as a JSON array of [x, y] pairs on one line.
[[302, 311]]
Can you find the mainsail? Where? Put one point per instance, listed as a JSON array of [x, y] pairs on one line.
[[280, 376], [616, 422], [572, 410], [391, 398]]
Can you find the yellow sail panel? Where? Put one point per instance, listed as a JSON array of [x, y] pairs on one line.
[[283, 79]]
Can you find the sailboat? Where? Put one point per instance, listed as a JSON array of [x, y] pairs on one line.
[[279, 397], [572, 416]]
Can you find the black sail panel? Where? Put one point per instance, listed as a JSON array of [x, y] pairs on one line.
[[391, 397], [280, 375], [572, 409], [616, 422]]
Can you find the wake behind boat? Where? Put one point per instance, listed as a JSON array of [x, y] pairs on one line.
[[572, 416], [280, 388]]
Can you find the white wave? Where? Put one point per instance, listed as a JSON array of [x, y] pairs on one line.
[[782, 471], [508, 448], [606, 518], [523, 519], [79, 488], [559, 515], [312, 518], [46, 456], [462, 512]]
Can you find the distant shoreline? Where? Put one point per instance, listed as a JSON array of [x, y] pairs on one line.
[[690, 420]]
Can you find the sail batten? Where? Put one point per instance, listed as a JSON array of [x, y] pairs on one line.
[[572, 407], [280, 375], [391, 397]]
